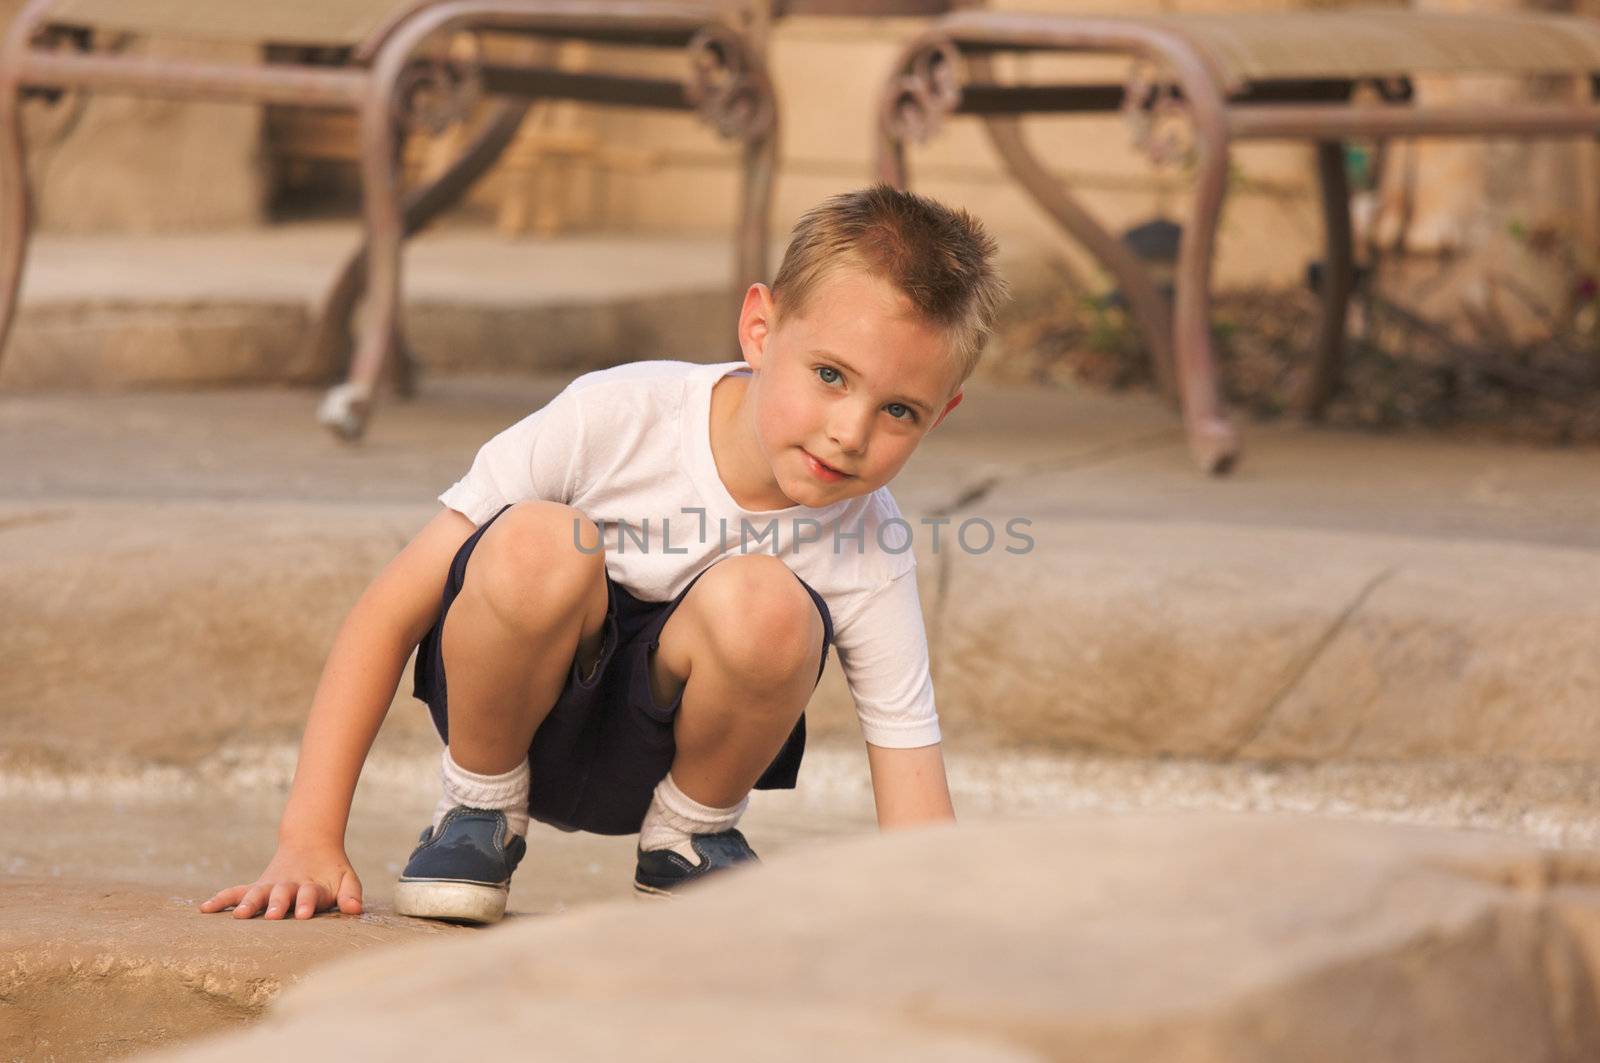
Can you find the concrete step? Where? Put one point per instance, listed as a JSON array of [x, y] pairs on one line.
[[186, 559], [103, 952], [238, 307], [1205, 938], [95, 967]]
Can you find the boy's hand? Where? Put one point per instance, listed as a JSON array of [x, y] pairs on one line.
[[305, 879]]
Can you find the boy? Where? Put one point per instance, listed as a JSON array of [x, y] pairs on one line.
[[646, 678]]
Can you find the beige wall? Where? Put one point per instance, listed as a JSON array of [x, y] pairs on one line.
[[112, 162], [1467, 194], [829, 73]]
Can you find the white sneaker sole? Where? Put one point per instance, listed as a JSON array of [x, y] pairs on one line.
[[650, 893], [460, 902]]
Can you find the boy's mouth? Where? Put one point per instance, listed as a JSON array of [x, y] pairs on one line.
[[823, 469]]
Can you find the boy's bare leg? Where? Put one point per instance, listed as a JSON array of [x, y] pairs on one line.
[[743, 646], [529, 602]]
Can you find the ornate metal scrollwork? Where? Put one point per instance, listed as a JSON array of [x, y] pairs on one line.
[[436, 91], [56, 38], [925, 94], [1156, 116], [727, 88], [1394, 90]]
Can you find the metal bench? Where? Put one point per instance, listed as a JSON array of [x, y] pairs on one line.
[[1233, 77], [384, 60]]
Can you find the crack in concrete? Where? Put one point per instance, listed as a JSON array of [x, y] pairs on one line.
[[23, 520], [974, 493], [1298, 673], [941, 595], [941, 584], [1109, 452], [969, 496], [1569, 983], [980, 490]]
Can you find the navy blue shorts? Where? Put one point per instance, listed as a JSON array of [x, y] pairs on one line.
[[596, 759]]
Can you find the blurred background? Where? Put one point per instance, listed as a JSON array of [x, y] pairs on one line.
[[1486, 245]]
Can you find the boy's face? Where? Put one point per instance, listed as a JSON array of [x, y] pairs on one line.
[[854, 384]]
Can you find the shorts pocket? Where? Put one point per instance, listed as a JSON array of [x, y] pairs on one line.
[[610, 636], [652, 731], [640, 696]]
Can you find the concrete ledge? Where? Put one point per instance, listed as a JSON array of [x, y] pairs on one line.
[[107, 346], [1202, 938], [183, 561], [99, 969], [161, 631], [221, 308], [1197, 640]]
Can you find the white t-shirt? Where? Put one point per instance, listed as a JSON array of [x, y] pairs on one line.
[[630, 448]]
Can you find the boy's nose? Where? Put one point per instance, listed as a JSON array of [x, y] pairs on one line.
[[849, 432]]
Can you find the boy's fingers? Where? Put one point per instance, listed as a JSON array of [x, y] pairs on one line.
[[308, 900], [250, 902], [223, 899], [350, 894], [280, 899], [283, 900]]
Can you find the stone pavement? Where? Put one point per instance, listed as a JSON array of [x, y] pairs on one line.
[[1378, 627]]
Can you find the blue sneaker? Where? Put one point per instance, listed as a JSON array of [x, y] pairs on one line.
[[662, 872], [462, 871]]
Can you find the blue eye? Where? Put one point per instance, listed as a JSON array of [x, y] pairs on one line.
[[829, 375]]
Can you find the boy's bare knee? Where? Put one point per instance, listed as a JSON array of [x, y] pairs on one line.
[[537, 559], [761, 621]]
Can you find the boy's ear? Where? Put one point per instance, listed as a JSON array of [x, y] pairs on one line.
[[952, 404], [755, 323]]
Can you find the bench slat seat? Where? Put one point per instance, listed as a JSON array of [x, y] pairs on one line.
[[1270, 47], [1298, 46], [320, 23]]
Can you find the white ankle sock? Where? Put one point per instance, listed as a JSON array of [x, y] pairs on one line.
[[674, 816], [508, 792]]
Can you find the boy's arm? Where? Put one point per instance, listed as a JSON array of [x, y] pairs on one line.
[[909, 786], [310, 871], [882, 646]]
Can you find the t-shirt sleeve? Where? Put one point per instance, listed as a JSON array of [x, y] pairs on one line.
[[533, 459], [882, 647]]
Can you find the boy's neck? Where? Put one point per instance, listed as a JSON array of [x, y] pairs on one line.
[[744, 473]]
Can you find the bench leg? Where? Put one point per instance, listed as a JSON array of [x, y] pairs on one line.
[[755, 211], [346, 407], [755, 219], [16, 206], [333, 339], [1338, 279], [1149, 309], [1212, 440], [890, 160], [729, 87]]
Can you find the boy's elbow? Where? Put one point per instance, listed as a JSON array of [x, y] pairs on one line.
[[397, 619], [405, 599], [376, 622]]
